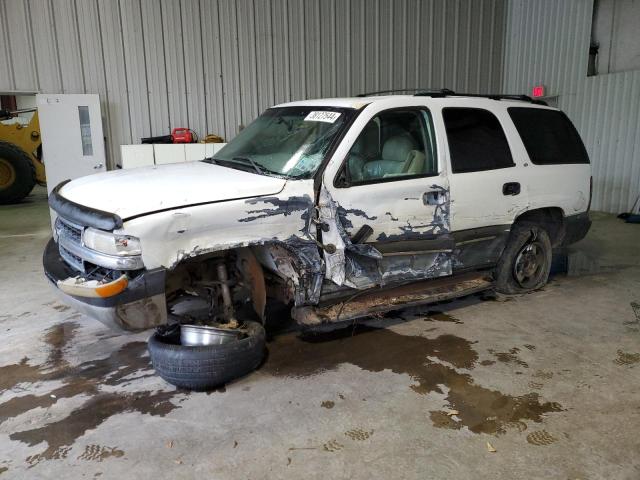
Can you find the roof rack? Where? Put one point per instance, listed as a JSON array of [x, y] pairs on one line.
[[492, 96], [420, 91], [445, 92]]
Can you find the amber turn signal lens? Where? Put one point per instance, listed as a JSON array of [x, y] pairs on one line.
[[112, 288]]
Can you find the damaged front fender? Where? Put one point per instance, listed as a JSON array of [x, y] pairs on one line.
[[277, 224]]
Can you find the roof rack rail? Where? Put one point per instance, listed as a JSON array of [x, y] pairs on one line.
[[450, 93], [421, 91], [446, 92]]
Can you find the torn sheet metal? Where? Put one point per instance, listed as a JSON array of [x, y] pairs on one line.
[[298, 261], [353, 265], [301, 206], [420, 230], [302, 262], [418, 214], [415, 267], [280, 224]]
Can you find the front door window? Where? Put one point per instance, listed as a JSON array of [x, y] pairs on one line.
[[394, 145]]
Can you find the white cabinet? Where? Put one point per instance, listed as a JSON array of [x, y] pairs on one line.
[[133, 156]]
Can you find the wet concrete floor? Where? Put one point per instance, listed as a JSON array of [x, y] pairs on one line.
[[549, 381]]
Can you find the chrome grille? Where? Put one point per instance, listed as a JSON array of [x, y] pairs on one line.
[[71, 234], [69, 231], [73, 260]]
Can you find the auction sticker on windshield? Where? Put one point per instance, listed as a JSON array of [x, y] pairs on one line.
[[322, 116]]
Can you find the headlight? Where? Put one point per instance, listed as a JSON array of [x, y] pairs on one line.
[[111, 244]]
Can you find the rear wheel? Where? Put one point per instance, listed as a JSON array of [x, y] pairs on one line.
[[17, 173], [526, 261]]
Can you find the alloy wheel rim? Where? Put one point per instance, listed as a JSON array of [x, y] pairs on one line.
[[529, 264]]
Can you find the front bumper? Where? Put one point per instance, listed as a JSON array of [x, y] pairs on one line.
[[140, 306]]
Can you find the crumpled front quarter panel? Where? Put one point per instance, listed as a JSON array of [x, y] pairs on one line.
[[169, 237]]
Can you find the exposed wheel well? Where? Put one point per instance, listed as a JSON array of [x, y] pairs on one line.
[[225, 279], [277, 270], [551, 219]]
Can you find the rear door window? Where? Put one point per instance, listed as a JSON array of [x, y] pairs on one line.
[[548, 136], [476, 140]]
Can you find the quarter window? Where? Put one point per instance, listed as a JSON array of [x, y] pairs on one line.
[[548, 136], [476, 140]]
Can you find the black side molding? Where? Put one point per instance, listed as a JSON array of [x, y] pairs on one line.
[[81, 214]]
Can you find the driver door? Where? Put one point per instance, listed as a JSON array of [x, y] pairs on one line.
[[390, 194]]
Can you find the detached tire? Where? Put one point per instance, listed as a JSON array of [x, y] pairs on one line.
[[17, 173], [526, 261], [206, 367]]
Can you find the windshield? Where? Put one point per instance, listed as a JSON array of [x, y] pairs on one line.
[[289, 141]]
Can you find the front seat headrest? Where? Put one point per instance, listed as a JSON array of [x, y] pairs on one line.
[[397, 148]]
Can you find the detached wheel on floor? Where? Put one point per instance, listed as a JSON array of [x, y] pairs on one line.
[[526, 261], [209, 366]]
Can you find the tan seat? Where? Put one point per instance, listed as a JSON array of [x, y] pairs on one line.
[[399, 156], [415, 163]]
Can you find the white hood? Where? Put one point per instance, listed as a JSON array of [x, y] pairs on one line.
[[129, 193]]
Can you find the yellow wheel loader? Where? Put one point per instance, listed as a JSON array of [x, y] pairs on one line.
[[20, 164]]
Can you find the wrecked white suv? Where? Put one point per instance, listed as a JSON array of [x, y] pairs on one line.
[[337, 207]]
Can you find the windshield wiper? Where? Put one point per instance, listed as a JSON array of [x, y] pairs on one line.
[[223, 162], [260, 168], [245, 161], [253, 164]]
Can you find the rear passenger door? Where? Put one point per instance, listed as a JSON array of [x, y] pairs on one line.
[[487, 182]]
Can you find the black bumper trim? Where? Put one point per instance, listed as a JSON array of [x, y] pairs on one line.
[[81, 214], [576, 227], [144, 285]]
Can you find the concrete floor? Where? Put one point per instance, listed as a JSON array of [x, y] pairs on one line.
[[550, 380]]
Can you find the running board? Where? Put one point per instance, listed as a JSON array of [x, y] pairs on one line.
[[379, 301]]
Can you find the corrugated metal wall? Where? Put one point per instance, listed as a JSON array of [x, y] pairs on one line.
[[214, 65], [547, 43]]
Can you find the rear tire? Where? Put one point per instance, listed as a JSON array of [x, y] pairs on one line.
[[206, 367], [526, 261], [17, 173]]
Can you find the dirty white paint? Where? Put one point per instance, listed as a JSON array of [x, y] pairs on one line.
[[186, 210], [129, 193], [170, 236]]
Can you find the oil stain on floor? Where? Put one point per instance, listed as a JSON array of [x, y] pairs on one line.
[[128, 363], [430, 362]]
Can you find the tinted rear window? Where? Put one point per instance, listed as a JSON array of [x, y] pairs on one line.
[[549, 136], [476, 140]]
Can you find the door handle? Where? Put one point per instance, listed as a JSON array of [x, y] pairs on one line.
[[511, 188], [434, 197], [98, 166]]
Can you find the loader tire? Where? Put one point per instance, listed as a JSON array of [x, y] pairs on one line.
[[17, 173]]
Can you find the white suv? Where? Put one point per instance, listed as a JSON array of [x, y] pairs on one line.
[[339, 207]]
